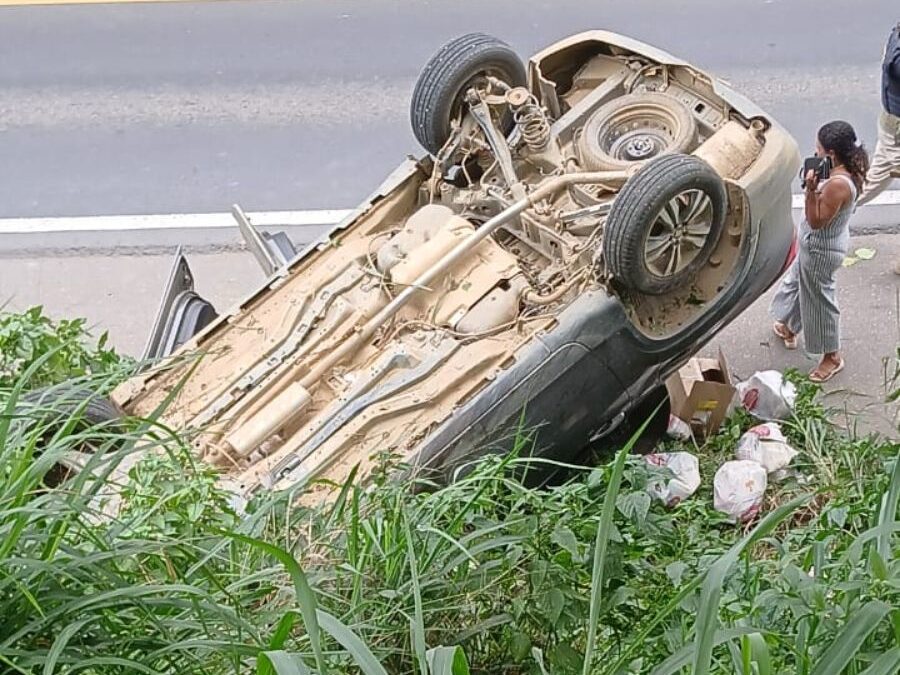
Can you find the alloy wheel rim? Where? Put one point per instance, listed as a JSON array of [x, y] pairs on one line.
[[679, 233]]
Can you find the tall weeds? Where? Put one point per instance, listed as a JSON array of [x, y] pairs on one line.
[[483, 576]]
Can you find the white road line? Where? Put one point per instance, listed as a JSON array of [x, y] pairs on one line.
[[887, 198], [170, 221], [217, 221]]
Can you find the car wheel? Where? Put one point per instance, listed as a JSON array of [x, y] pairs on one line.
[[664, 224], [636, 128], [60, 402], [438, 95], [48, 409]]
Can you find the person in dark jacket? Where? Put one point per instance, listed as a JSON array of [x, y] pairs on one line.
[[885, 165]]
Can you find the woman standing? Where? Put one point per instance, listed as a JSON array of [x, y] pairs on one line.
[[806, 300]]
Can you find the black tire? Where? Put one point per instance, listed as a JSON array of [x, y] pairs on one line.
[[437, 97], [49, 409], [56, 405], [637, 213]]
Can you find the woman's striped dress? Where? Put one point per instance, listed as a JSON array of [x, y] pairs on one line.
[[805, 301]]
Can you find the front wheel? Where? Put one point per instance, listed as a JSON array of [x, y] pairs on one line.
[[46, 411], [665, 224]]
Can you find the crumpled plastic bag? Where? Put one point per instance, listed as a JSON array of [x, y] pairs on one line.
[[767, 395], [686, 476], [738, 489], [678, 429], [766, 445]]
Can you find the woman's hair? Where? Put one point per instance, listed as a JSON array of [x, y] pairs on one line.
[[840, 138]]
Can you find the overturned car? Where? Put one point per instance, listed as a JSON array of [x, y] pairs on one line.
[[578, 229]]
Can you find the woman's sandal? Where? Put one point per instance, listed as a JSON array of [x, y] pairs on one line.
[[815, 377], [780, 330]]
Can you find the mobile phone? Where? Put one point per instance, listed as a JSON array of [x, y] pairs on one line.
[[820, 165]]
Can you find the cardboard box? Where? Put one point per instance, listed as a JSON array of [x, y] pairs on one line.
[[701, 393]]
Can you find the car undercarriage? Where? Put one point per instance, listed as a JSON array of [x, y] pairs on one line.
[[601, 175]]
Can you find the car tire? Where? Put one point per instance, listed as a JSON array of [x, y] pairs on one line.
[[664, 224], [56, 405], [53, 407], [437, 96], [636, 128], [50, 408]]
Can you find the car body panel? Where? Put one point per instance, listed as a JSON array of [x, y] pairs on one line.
[[602, 39], [182, 313]]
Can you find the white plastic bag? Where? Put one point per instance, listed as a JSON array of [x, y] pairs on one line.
[[767, 395], [766, 445], [738, 489], [678, 429], [686, 476]]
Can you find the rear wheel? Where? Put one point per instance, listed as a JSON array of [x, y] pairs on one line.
[[438, 97], [664, 224]]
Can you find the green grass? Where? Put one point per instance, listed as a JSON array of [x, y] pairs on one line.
[[63, 347], [483, 576]]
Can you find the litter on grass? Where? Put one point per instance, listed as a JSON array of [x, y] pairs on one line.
[[678, 429], [765, 445], [738, 489], [685, 469], [768, 396]]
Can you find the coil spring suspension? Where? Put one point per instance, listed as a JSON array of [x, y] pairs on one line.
[[530, 118]]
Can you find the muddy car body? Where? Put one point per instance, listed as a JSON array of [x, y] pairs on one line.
[[580, 227]]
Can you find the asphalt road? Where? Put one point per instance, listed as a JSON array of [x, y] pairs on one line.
[[189, 107]]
